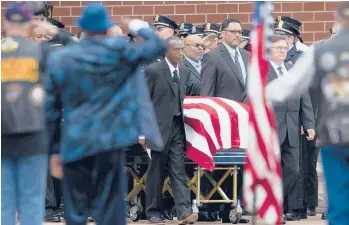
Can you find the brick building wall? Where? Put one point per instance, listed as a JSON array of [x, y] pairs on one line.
[[317, 17]]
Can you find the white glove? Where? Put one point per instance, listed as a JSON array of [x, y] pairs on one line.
[[135, 25]]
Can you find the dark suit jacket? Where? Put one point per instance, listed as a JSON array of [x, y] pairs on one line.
[[162, 93], [292, 55], [292, 114], [219, 77], [194, 80]]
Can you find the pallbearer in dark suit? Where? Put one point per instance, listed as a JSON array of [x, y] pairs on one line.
[[224, 73], [193, 52], [289, 116], [224, 69], [166, 81]]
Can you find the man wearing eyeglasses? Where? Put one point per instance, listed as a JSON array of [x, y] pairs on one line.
[[193, 52], [289, 116], [224, 74], [224, 71]]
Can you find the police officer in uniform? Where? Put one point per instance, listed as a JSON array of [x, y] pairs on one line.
[[164, 28], [290, 28], [325, 67], [24, 155]]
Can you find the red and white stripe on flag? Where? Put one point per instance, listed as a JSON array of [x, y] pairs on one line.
[[212, 124], [262, 172]]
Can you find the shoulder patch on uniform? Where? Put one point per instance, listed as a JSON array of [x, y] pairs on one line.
[[9, 45], [37, 95], [328, 61]]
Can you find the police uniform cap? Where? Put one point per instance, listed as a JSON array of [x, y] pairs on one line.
[[295, 22], [210, 28], [163, 21], [245, 34], [55, 23], [199, 31], [185, 28], [286, 28]]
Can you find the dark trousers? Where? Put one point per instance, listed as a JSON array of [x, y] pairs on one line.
[[171, 157], [312, 181], [95, 186], [290, 171], [53, 194]]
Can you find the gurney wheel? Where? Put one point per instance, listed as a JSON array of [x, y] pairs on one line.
[[135, 212]]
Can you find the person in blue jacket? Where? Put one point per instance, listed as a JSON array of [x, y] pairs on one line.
[[106, 109]]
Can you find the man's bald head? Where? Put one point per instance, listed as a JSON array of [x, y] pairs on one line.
[[193, 39], [193, 47]]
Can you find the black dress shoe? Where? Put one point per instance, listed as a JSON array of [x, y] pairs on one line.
[[324, 216], [311, 211], [303, 216], [292, 216], [156, 220], [244, 220], [167, 215], [203, 216], [52, 218]]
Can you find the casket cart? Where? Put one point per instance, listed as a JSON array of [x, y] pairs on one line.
[[228, 161]]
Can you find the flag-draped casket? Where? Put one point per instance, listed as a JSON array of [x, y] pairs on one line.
[[212, 124]]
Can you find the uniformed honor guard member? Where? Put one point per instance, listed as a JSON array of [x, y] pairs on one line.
[[306, 185], [24, 153], [291, 30], [325, 67], [164, 28]]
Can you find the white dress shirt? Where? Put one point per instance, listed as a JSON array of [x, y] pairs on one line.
[[296, 83], [275, 66], [196, 65], [172, 68], [232, 53]]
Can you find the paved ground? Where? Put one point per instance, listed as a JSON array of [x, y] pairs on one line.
[[310, 221]]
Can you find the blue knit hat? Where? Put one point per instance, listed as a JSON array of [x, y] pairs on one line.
[[95, 18], [19, 12]]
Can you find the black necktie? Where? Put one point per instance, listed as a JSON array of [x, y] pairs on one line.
[[238, 66], [281, 73], [178, 97]]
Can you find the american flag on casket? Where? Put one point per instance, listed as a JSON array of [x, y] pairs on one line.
[[212, 124]]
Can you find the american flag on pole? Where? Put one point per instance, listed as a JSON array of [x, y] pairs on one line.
[[212, 124], [262, 173]]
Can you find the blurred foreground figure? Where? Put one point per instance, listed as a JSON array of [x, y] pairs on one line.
[[106, 109], [24, 153], [326, 68]]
